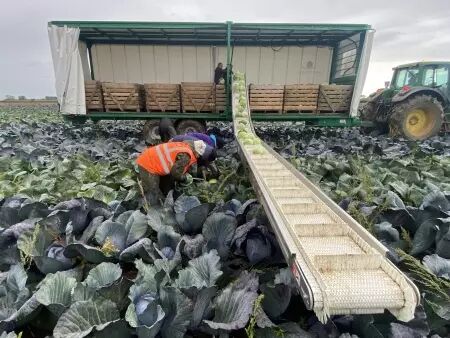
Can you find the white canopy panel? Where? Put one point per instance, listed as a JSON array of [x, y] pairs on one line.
[[175, 64], [69, 77]]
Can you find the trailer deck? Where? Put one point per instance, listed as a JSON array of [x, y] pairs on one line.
[[339, 266]]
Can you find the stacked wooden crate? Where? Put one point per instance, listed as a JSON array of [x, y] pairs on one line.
[[94, 95], [266, 98], [123, 96], [221, 98], [162, 97], [198, 96], [335, 98], [300, 97]]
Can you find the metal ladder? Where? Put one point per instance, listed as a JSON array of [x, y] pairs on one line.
[[339, 266]]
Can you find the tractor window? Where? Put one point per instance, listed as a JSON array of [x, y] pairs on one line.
[[406, 76], [441, 75], [428, 78], [435, 77]]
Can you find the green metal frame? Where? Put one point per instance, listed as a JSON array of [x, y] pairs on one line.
[[227, 34], [351, 78], [328, 120]]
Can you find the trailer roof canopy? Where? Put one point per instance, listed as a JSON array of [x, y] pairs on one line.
[[187, 33]]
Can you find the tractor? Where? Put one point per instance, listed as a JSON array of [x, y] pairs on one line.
[[416, 105]]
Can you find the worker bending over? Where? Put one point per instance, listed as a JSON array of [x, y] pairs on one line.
[[210, 140], [206, 167], [161, 165]]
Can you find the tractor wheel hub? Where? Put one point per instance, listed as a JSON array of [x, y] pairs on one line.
[[418, 122]]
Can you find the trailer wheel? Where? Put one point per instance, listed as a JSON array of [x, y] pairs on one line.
[[150, 132], [190, 126], [419, 118]]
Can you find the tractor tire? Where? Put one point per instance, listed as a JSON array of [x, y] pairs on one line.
[[190, 126], [150, 132], [418, 118], [370, 112]]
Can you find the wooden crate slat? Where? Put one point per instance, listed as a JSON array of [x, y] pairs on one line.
[[299, 97], [123, 96], [266, 87], [93, 95], [198, 96], [335, 97], [266, 97], [299, 108], [221, 99], [162, 97]]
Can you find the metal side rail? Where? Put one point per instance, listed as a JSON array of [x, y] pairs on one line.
[[339, 266]]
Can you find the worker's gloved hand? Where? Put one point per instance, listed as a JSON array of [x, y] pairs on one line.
[[213, 170], [187, 179], [202, 172]]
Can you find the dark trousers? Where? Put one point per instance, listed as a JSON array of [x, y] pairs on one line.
[[155, 187], [166, 129]]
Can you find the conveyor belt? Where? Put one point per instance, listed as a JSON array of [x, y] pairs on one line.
[[339, 266]]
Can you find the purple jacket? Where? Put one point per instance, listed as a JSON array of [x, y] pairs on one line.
[[193, 137]]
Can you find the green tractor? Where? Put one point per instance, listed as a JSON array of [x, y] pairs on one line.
[[417, 103]]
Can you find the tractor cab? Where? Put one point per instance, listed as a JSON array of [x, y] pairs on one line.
[[433, 75], [416, 103]]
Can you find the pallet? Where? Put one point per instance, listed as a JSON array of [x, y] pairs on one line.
[[94, 95], [335, 98], [299, 97], [198, 96], [266, 98], [221, 98], [123, 97], [161, 97]]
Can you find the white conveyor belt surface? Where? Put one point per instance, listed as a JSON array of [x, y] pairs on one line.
[[339, 266]]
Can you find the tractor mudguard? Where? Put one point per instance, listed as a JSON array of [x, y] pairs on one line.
[[402, 96], [375, 96]]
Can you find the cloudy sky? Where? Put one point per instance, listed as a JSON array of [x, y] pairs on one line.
[[406, 30]]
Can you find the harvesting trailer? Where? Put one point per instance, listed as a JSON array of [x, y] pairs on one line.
[[339, 266], [148, 70]]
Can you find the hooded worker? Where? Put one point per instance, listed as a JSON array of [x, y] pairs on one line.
[[205, 166], [210, 140], [161, 165]]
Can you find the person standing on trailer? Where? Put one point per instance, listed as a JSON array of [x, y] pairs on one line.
[[219, 73], [160, 166]]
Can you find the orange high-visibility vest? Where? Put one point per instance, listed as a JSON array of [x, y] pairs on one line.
[[159, 159]]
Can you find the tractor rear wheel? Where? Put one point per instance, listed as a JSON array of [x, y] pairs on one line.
[[190, 126], [418, 118], [150, 132], [371, 112]]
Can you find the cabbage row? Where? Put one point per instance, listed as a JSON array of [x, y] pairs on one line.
[[83, 254]]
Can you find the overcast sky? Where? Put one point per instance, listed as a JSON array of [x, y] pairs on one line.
[[406, 30]]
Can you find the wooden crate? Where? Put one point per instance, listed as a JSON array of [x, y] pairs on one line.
[[335, 98], [300, 97], [221, 98], [123, 96], [198, 96], [162, 97], [266, 98], [94, 95]]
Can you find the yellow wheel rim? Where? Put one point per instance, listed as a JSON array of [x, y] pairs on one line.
[[419, 123]]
